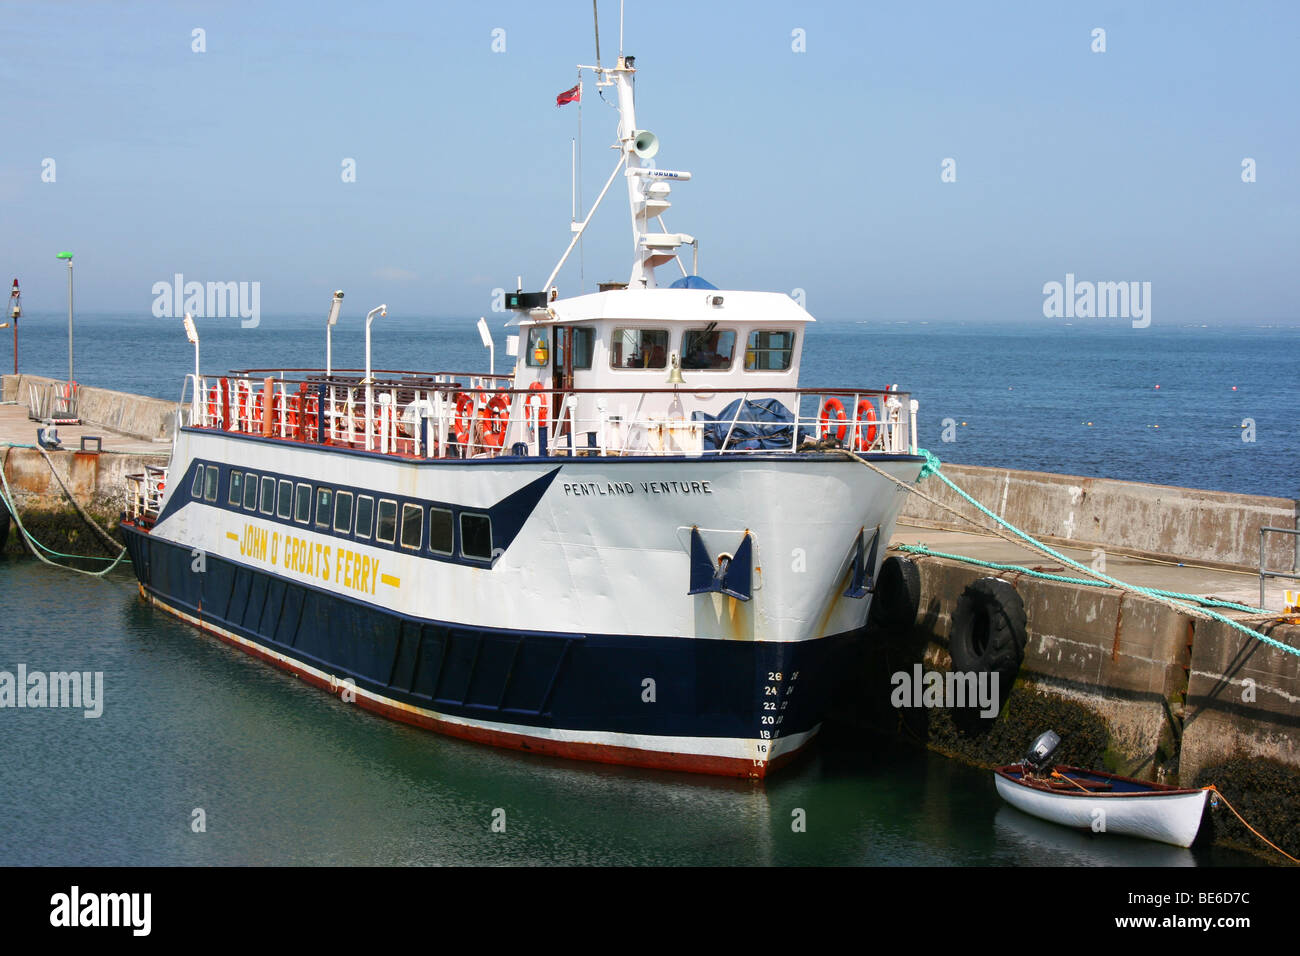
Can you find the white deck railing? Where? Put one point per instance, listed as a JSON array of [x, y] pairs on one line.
[[446, 415]]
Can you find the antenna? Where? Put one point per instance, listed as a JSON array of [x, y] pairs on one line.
[[596, 19]]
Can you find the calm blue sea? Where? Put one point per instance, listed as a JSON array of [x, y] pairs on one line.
[[1079, 399]]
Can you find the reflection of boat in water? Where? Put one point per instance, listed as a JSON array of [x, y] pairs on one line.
[[1098, 801], [1044, 842]]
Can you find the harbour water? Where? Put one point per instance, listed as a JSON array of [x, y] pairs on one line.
[[194, 732], [203, 755]]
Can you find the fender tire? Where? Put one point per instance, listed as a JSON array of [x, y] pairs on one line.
[[897, 597], [989, 632]]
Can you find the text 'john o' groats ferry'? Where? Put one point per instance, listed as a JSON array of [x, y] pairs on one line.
[[641, 547]]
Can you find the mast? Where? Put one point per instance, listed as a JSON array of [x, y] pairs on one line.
[[647, 187]]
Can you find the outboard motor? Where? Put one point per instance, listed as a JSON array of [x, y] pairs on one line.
[[1041, 752]]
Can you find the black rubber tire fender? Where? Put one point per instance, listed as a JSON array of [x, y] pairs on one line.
[[989, 631], [897, 594]]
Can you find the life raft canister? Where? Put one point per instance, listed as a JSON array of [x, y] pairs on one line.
[[495, 417], [831, 414]]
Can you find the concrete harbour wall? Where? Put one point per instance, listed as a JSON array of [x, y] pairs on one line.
[[1214, 528], [136, 415]]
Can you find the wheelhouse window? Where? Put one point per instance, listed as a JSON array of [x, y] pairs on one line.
[[708, 349], [441, 530], [476, 537], [386, 530], [302, 504], [639, 348], [324, 506], [211, 483], [196, 489], [285, 505], [412, 526], [539, 347], [236, 495], [268, 495], [584, 339], [250, 492], [769, 351], [343, 512], [365, 515]]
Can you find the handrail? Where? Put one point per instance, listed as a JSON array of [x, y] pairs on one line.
[[441, 417], [1265, 573]]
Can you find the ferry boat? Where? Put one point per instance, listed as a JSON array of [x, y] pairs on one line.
[[645, 545]]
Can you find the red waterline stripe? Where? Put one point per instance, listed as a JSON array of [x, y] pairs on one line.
[[598, 753]]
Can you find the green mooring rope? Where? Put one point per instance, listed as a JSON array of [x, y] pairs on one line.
[[1065, 579], [7, 499], [932, 467]]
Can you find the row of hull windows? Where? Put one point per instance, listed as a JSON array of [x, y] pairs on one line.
[[701, 349], [360, 516]]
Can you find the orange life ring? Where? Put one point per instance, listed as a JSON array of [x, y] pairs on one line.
[[866, 413], [832, 412], [495, 417], [293, 415], [310, 412], [464, 416], [541, 400], [225, 404], [214, 405]]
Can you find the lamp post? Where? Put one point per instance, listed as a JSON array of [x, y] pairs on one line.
[[192, 334], [336, 305], [68, 256], [15, 311], [486, 335], [370, 390]]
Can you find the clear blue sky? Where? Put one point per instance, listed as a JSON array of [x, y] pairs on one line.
[[818, 170]]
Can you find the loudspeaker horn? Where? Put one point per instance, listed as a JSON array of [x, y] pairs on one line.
[[646, 144]]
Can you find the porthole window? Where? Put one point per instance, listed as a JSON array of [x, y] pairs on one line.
[[386, 529], [365, 515], [441, 531], [476, 537]]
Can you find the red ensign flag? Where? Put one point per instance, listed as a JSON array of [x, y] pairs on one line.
[[569, 96]]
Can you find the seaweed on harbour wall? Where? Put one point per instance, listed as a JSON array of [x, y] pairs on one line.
[[63, 531], [1265, 792], [1085, 736]]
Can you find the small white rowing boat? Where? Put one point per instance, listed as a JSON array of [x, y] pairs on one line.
[[1098, 801], [1104, 802]]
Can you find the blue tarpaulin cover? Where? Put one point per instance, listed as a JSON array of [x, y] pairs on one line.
[[692, 282], [760, 424]]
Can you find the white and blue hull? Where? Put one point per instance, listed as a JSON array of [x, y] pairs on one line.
[[575, 634]]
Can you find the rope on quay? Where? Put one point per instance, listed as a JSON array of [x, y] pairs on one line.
[[1065, 579], [90, 522], [1016, 536], [7, 499]]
